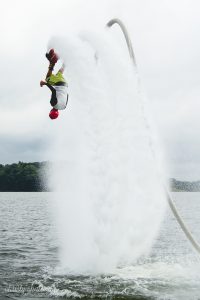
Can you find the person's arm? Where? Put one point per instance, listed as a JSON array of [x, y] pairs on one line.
[[50, 87], [53, 100], [42, 82], [51, 66]]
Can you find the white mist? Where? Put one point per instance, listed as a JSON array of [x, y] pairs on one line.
[[108, 200]]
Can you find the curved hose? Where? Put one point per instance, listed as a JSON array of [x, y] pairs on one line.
[[171, 203], [181, 223], [126, 35]]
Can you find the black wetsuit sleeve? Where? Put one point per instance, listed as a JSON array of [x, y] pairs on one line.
[[53, 100], [50, 87]]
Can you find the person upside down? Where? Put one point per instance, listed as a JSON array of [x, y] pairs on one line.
[[57, 84]]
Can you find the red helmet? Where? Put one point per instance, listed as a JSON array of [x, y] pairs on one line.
[[54, 113]]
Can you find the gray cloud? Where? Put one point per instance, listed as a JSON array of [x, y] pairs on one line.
[[165, 37]]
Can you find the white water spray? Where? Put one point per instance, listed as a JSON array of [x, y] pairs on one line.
[[108, 201], [171, 203]]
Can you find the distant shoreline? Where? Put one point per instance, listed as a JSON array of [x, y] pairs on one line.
[[23, 177], [27, 177], [184, 186]]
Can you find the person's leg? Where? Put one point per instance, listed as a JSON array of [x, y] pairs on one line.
[[49, 73], [52, 58]]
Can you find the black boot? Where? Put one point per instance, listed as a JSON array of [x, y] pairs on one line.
[[48, 56]]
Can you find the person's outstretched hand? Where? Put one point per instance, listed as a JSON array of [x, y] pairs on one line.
[[42, 82]]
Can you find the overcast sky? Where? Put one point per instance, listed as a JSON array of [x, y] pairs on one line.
[[165, 34]]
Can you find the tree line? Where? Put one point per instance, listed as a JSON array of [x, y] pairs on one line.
[[28, 177], [22, 177], [184, 186]]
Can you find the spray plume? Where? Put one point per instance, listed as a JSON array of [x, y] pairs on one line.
[[108, 200]]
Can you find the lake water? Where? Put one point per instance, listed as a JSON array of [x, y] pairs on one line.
[[29, 257]]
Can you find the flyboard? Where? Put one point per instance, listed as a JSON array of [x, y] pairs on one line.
[[171, 203]]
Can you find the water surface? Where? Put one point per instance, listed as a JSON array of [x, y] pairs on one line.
[[29, 266]]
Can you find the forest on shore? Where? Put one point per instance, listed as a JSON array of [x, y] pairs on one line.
[[22, 177], [28, 177]]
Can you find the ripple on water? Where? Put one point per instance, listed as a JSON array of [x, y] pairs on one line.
[[28, 267]]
